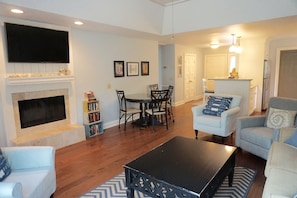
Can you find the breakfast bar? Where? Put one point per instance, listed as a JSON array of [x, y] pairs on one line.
[[242, 87]]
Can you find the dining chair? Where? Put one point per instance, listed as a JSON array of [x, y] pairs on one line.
[[159, 100], [152, 87], [206, 91], [169, 102], [125, 112]]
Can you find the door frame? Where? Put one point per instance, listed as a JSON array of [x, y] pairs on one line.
[[277, 65]]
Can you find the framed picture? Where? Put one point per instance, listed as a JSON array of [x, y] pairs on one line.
[[179, 71], [132, 69], [119, 68], [145, 68]]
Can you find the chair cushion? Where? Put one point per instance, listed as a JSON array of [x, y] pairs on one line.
[[293, 139], [5, 169], [280, 182], [279, 118], [261, 136], [216, 105], [208, 120]]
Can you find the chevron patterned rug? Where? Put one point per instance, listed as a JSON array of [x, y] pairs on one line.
[[115, 187]]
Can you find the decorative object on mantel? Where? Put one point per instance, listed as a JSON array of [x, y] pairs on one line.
[[234, 74], [64, 72]]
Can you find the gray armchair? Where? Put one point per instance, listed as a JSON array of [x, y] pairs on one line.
[[253, 134]]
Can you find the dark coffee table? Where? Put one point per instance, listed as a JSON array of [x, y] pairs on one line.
[[181, 167]]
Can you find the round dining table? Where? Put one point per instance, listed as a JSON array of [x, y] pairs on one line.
[[143, 99]]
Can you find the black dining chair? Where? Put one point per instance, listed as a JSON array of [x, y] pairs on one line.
[[152, 87], [125, 112], [169, 102], [156, 111]]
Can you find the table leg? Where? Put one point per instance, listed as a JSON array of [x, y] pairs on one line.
[[230, 177], [130, 193]]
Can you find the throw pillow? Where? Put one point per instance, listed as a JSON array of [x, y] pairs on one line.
[[278, 118], [293, 139], [217, 105], [5, 169]]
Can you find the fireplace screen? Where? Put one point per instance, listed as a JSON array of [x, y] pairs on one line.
[[39, 111]]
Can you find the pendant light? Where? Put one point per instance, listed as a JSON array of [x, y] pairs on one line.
[[238, 48], [233, 47]]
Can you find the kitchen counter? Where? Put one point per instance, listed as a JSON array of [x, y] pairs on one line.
[[240, 87]]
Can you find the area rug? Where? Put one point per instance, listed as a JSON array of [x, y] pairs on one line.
[[115, 187]]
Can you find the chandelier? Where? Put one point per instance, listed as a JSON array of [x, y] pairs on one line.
[[235, 47]]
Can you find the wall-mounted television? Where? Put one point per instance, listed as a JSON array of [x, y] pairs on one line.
[[28, 44]]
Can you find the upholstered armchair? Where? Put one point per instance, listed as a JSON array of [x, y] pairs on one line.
[[255, 134], [32, 172], [222, 123]]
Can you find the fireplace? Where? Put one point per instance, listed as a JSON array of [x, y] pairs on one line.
[[42, 118], [39, 110]]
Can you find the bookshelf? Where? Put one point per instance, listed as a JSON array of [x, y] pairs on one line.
[[92, 116]]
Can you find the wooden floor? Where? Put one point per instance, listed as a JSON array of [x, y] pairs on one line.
[[85, 165]]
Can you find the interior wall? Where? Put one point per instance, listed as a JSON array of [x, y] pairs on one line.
[[94, 54], [92, 59], [251, 64], [169, 69]]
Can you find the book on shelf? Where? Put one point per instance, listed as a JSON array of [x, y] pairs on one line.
[[89, 96]]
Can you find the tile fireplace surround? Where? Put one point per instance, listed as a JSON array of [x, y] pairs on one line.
[[59, 133]]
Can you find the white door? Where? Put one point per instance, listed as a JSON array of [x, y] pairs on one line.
[[190, 77], [216, 66]]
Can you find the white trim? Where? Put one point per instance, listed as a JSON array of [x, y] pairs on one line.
[[277, 64]]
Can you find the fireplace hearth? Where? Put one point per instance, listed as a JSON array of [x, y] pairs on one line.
[[43, 118]]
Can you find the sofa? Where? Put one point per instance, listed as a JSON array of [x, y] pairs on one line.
[[281, 166], [256, 134], [218, 116], [31, 172]]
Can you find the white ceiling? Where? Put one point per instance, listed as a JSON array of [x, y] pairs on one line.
[[167, 2], [274, 28]]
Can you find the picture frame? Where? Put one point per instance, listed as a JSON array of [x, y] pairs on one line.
[[119, 70], [132, 68], [145, 68]]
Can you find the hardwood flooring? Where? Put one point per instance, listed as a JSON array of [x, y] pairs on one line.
[[85, 165]]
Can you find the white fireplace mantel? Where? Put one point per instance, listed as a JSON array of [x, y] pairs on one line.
[[12, 81]]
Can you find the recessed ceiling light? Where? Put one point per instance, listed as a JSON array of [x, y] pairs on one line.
[[214, 45], [17, 11], [78, 23]]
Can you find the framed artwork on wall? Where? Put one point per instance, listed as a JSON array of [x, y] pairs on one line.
[[145, 68], [119, 68], [132, 69]]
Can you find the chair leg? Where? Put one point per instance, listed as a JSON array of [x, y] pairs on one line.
[[153, 122], [196, 134], [166, 121], [171, 115], [125, 122]]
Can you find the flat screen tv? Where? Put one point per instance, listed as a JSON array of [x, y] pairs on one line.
[[27, 44]]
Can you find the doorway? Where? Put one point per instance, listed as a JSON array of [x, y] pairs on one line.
[[287, 80]]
